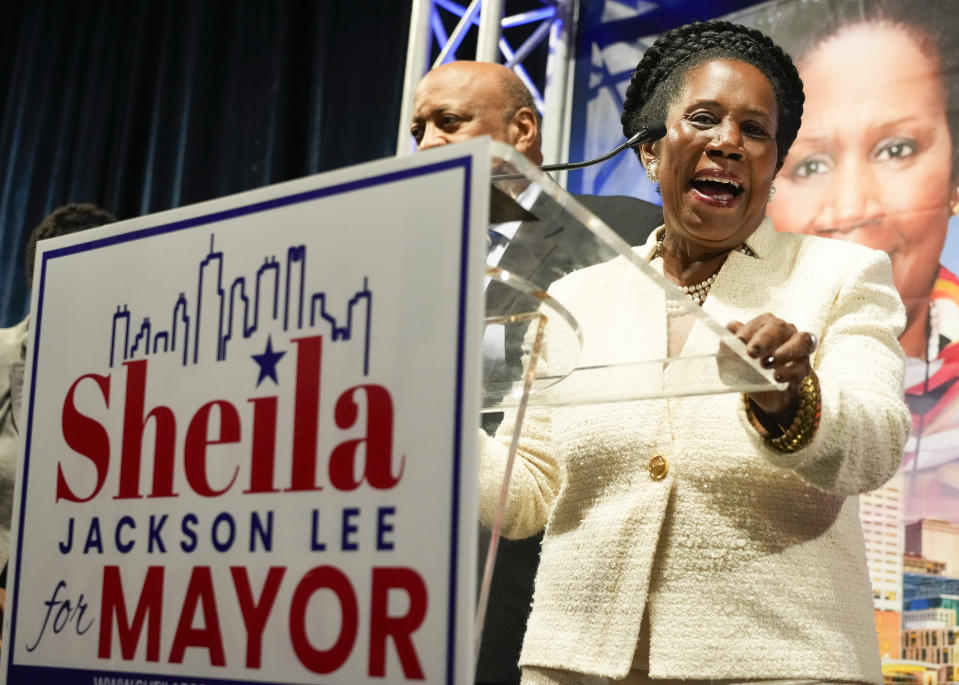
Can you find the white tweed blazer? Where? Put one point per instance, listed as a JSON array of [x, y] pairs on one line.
[[749, 561]]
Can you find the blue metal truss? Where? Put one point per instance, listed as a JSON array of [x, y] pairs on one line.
[[449, 42]]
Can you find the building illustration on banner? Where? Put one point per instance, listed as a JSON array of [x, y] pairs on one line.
[[201, 329]]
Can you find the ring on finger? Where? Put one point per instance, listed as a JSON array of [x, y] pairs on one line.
[[815, 343]]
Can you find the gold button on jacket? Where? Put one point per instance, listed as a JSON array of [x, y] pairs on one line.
[[658, 467]]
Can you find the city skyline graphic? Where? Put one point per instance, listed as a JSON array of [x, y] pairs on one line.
[[224, 308]]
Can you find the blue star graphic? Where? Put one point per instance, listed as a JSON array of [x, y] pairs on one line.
[[267, 362]]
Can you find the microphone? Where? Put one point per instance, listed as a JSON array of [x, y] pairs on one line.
[[646, 134]]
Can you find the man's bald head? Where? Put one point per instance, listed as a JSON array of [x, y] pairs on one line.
[[462, 100]]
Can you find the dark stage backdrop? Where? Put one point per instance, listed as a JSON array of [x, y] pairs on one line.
[[145, 105]]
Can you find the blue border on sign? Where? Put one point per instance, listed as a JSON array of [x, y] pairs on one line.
[[51, 674]]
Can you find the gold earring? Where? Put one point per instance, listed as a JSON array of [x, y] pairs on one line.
[[652, 170]]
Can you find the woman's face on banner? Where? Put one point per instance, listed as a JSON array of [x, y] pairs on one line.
[[872, 162]]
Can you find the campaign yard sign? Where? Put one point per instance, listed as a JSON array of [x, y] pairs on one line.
[[249, 452]]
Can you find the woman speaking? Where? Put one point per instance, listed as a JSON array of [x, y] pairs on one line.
[[715, 537]]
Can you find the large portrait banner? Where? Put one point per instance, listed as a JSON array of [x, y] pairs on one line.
[[249, 452], [875, 162]]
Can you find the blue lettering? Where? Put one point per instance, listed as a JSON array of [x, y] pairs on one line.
[[383, 527], [316, 545], [349, 528], [156, 537], [257, 530], [187, 525], [129, 522], [223, 546], [67, 545], [94, 539]]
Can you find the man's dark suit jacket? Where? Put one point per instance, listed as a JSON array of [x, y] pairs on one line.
[[555, 243]]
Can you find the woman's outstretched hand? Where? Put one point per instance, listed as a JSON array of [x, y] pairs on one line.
[[781, 346]]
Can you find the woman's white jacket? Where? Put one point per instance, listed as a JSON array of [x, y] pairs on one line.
[[749, 561]]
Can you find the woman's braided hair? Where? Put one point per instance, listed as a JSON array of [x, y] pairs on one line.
[[659, 77]]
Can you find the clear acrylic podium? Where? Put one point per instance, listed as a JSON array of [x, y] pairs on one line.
[[537, 352]]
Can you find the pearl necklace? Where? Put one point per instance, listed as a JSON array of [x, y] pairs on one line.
[[698, 292]]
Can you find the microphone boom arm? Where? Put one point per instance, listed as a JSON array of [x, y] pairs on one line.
[[646, 134]]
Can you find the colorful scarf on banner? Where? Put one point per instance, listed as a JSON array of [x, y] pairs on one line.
[[931, 459]]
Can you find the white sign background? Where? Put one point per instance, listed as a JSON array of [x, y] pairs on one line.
[[405, 236]]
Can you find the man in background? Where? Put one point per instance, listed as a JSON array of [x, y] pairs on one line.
[[462, 100], [13, 352]]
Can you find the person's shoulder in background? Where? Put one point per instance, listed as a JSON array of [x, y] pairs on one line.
[[11, 345], [632, 218]]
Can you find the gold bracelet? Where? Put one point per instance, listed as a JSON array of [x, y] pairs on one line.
[[803, 427]]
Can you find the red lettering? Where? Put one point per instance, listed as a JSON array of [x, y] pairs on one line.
[[366, 459], [318, 660], [87, 437], [133, 424], [200, 590], [379, 441], [340, 600], [254, 612], [112, 604], [306, 407], [400, 628], [197, 440], [263, 451]]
